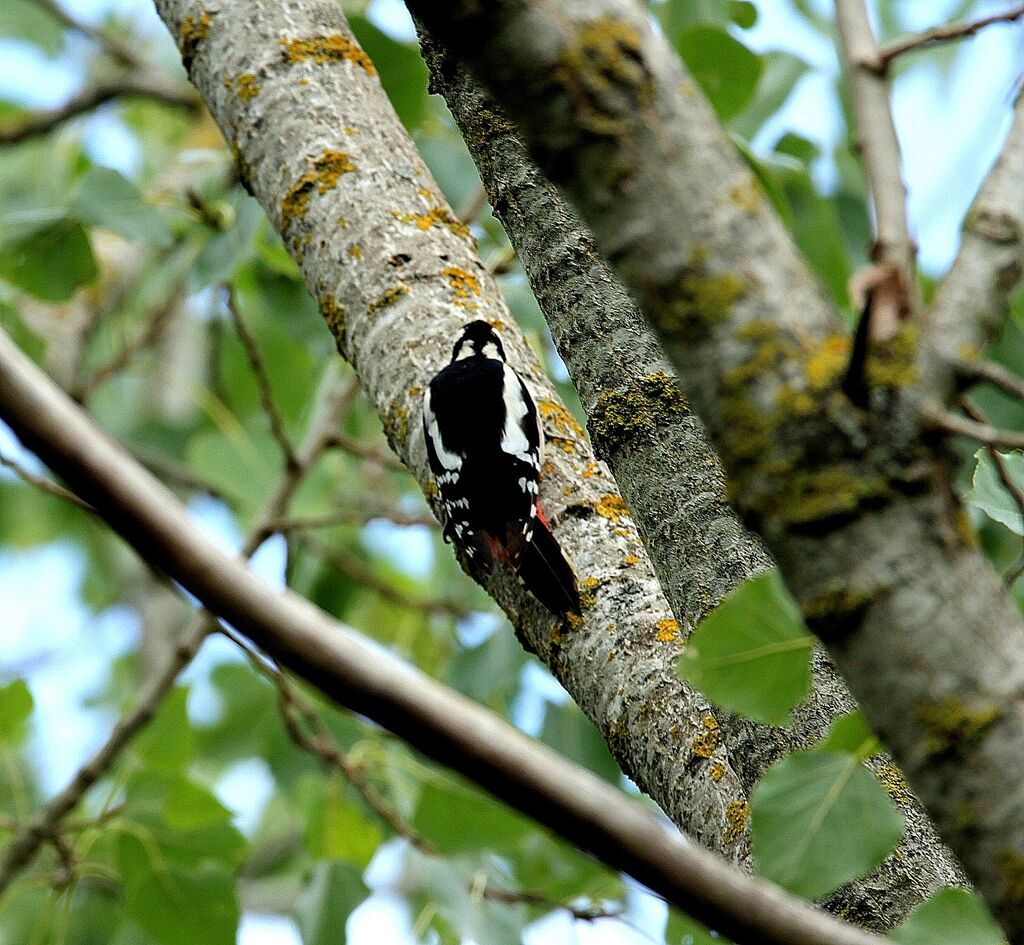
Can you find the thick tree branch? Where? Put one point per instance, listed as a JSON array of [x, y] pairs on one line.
[[941, 34], [876, 140], [975, 295], [855, 505], [132, 84], [319, 143], [565, 797], [639, 422]]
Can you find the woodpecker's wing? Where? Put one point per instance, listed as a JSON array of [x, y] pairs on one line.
[[446, 463]]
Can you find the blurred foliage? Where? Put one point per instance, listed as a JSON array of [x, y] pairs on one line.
[[116, 253]]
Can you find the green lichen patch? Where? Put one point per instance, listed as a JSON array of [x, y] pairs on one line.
[[195, 28], [699, 300], [322, 177], [396, 423], [892, 364], [388, 298], [334, 315], [323, 49], [952, 725], [603, 70], [895, 784], [1011, 868], [630, 415]]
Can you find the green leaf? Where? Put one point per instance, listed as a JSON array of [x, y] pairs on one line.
[[23, 336], [107, 199], [402, 71], [456, 819], [224, 252], [15, 711], [990, 495], [572, 734], [950, 917], [819, 820], [751, 654], [851, 734], [243, 466], [722, 66], [333, 894], [49, 261], [742, 13], [165, 745], [23, 19], [336, 827], [780, 72], [682, 930], [177, 906]]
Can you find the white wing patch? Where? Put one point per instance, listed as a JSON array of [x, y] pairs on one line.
[[513, 439], [447, 459]]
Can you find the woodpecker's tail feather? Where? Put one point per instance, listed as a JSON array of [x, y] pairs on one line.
[[546, 573]]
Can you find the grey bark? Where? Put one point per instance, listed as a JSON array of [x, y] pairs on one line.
[[855, 506], [396, 276], [973, 298], [661, 459]]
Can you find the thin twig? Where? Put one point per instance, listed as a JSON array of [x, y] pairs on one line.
[[1009, 484], [111, 45], [385, 460], [47, 820], [876, 140], [43, 484], [940, 34], [470, 209], [352, 517], [156, 88], [984, 433], [349, 565], [149, 336], [299, 715], [259, 370], [993, 373]]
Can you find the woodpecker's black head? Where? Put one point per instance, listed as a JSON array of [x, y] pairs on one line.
[[478, 339]]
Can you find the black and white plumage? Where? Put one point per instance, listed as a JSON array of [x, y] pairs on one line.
[[485, 444]]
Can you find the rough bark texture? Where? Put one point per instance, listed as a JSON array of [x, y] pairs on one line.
[[973, 298], [698, 547], [396, 276], [855, 506]]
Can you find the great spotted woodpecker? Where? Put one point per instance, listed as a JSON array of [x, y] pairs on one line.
[[485, 444]]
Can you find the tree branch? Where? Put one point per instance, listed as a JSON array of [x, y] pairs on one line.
[[855, 506], [568, 799], [876, 141], [978, 431], [259, 371], [993, 373], [394, 317], [940, 34], [42, 483], [129, 85], [640, 422], [974, 297]]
